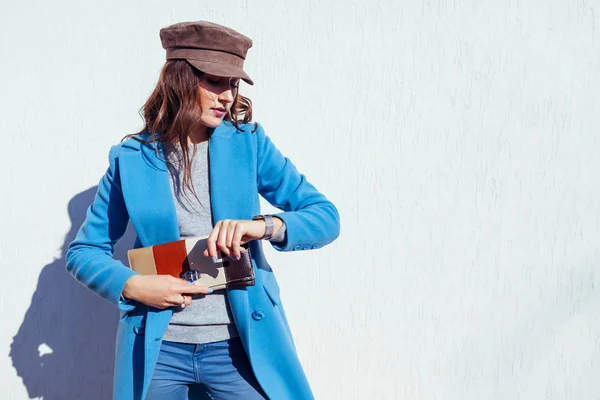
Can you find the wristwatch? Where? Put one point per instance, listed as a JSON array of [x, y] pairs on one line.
[[270, 227]]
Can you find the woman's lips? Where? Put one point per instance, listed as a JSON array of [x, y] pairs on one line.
[[219, 112]]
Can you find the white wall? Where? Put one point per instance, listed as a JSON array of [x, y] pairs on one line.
[[459, 140]]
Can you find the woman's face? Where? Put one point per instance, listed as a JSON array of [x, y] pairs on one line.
[[216, 98]]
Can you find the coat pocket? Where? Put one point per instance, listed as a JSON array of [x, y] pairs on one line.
[[135, 319]]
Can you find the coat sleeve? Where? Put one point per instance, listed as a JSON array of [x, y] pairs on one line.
[[312, 221], [89, 257]]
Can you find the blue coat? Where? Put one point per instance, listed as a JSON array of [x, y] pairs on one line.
[[243, 164]]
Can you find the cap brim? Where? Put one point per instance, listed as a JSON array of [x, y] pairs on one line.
[[220, 69]]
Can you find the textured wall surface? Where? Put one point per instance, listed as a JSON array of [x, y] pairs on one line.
[[459, 140]]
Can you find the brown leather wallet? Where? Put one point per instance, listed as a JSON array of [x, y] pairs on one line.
[[184, 259]]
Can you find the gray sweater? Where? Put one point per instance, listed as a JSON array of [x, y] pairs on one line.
[[208, 318]]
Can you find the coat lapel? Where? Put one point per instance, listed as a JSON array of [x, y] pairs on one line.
[[231, 174], [231, 188], [147, 193]]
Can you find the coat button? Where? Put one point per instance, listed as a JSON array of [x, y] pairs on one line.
[[298, 247], [138, 330], [307, 247], [257, 315]]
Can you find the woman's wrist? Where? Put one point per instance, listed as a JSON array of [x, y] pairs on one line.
[[280, 236], [271, 224], [277, 225], [129, 289]]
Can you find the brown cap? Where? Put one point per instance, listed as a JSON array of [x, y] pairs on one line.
[[211, 48]]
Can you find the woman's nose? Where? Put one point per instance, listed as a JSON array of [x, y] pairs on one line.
[[226, 96]]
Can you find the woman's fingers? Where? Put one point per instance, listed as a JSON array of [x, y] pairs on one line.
[[231, 227], [162, 291], [222, 239], [236, 247], [211, 242], [188, 288], [228, 236], [183, 293], [178, 300], [173, 279]]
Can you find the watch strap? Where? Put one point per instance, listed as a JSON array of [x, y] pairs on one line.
[[270, 226]]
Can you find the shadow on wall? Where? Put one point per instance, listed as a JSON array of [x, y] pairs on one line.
[[65, 347]]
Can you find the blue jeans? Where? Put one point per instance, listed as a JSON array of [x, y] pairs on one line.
[[218, 370]]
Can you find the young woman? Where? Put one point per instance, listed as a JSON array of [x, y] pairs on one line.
[[197, 168]]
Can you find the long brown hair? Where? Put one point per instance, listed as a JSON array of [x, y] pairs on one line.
[[173, 111]]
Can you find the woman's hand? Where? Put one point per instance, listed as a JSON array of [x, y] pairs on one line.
[[229, 234], [161, 291]]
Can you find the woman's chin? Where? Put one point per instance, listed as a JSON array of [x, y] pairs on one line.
[[211, 121]]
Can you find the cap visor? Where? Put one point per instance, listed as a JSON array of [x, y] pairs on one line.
[[220, 69]]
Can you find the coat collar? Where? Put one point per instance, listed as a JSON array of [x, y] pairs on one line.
[[226, 129]]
